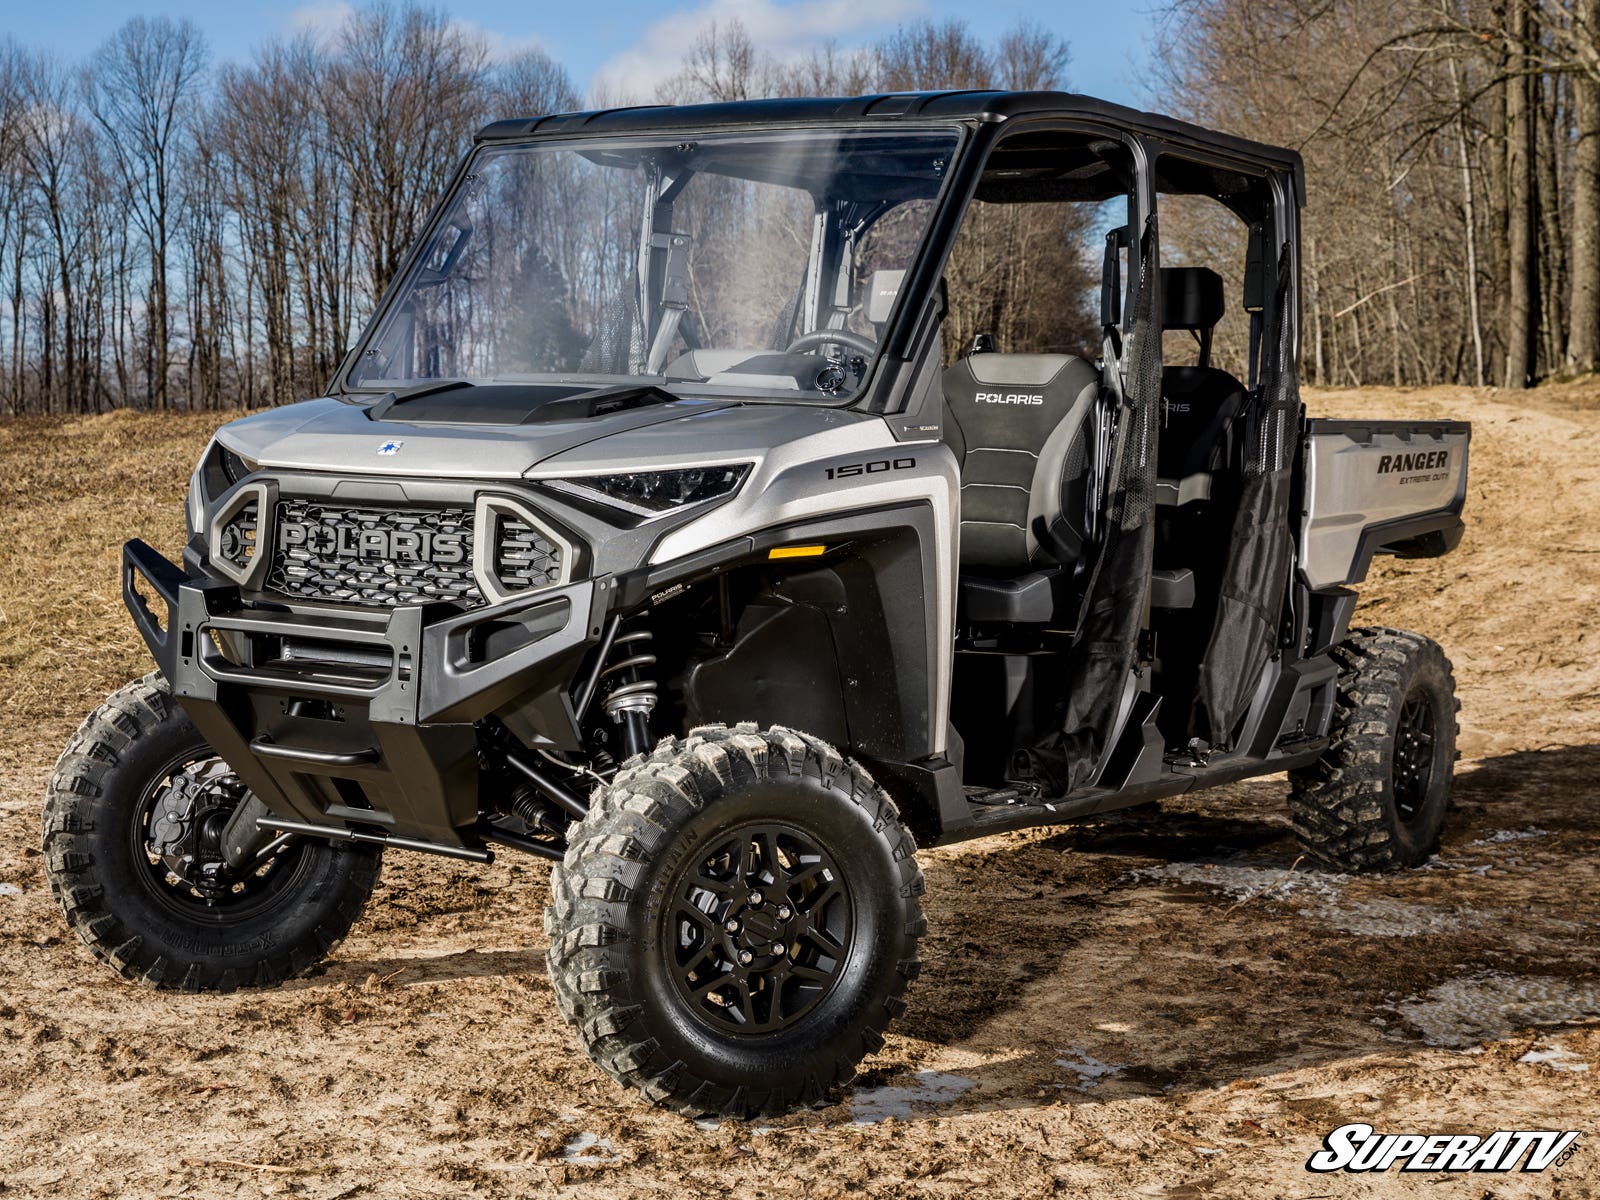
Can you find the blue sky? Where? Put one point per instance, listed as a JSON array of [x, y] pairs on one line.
[[626, 43]]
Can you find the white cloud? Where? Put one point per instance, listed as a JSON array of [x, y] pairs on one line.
[[321, 19], [501, 46], [786, 31]]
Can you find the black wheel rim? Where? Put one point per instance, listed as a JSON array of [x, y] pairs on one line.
[[759, 928], [1413, 756], [182, 887]]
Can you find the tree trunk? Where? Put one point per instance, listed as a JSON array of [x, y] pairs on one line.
[[1552, 247], [1469, 221], [1521, 280], [1583, 347]]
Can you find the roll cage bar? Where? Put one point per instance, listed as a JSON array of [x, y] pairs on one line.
[[986, 119]]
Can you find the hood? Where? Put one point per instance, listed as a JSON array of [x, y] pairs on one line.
[[339, 437]]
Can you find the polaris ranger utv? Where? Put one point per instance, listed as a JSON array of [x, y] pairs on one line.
[[660, 526]]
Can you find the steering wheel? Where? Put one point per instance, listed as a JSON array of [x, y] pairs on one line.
[[829, 337]]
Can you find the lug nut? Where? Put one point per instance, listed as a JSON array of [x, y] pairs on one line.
[[783, 912], [755, 899], [730, 926], [777, 947], [745, 957]]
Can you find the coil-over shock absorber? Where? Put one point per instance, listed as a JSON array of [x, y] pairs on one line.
[[632, 697]]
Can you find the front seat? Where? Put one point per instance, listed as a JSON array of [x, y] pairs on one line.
[[1019, 426]]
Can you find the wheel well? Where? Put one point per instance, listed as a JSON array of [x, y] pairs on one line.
[[836, 645]]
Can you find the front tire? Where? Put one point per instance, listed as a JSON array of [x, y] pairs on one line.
[[1376, 799], [735, 922], [161, 918]]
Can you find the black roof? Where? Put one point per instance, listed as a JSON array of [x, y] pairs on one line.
[[952, 106]]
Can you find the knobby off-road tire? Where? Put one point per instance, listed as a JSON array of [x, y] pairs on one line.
[[730, 845], [277, 921], [1376, 799]]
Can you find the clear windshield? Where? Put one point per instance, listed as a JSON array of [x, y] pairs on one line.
[[758, 264]]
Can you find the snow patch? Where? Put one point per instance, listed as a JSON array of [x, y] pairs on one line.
[[1555, 1056], [870, 1105], [1245, 883], [1386, 918], [590, 1149], [712, 1124], [1089, 1070], [1486, 1008], [1501, 836], [1321, 895]]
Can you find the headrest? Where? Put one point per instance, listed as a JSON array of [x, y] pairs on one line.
[[1191, 298]]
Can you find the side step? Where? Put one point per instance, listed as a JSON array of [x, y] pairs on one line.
[[333, 833], [488, 830], [1017, 793]]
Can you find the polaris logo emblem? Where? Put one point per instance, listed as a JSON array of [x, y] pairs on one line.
[[1430, 460], [389, 545], [390, 448], [1010, 398], [1359, 1147]]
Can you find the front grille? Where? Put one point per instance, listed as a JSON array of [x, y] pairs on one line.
[[381, 558]]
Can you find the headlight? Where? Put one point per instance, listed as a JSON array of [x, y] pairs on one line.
[[218, 470], [655, 493], [223, 468]]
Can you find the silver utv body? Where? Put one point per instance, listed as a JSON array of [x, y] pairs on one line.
[[350, 716]]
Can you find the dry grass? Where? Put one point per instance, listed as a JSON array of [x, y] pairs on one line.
[[72, 492]]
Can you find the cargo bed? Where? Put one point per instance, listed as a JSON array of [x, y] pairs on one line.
[[1379, 487]]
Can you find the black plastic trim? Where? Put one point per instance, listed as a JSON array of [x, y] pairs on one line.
[[1443, 527]]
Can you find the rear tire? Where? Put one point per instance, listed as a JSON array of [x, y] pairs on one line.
[[133, 908], [1376, 799], [735, 922]]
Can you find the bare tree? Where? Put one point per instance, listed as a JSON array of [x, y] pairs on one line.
[[141, 88], [928, 54], [52, 142], [398, 92], [1030, 57], [533, 84], [1521, 264], [13, 215], [723, 64]]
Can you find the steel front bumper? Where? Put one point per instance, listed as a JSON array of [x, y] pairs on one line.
[[363, 719]]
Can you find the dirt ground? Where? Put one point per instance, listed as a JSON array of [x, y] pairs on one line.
[[1140, 1008]]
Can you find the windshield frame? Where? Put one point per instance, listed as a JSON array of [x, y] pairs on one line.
[[905, 310]]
